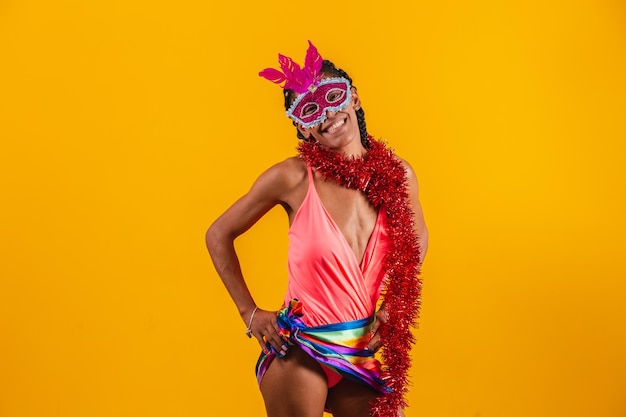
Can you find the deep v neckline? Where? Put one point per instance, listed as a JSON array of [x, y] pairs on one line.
[[372, 236]]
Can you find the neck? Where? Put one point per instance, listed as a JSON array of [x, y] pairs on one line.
[[353, 149]]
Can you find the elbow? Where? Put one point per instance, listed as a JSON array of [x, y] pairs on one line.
[[218, 235], [212, 237]]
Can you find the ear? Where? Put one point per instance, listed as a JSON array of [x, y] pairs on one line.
[[305, 132], [356, 102]]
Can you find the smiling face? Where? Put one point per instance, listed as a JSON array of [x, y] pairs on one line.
[[339, 129], [330, 95]]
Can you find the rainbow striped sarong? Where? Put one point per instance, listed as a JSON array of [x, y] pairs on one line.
[[338, 346]]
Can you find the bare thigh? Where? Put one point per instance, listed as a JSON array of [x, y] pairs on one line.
[[294, 386], [350, 399]]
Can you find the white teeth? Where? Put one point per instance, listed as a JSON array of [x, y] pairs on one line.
[[335, 125]]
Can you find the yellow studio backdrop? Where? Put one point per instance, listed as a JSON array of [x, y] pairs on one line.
[[127, 127]]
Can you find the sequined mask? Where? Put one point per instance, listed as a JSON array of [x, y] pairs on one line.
[[331, 94]]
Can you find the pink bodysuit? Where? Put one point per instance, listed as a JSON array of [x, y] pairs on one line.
[[324, 273]]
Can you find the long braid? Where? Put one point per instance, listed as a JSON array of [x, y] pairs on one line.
[[330, 69]]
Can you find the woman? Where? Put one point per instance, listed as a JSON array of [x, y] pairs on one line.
[[356, 230]]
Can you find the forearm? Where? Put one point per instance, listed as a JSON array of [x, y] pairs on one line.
[[222, 250]]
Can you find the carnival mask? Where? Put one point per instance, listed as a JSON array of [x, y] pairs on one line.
[[331, 94], [316, 95]]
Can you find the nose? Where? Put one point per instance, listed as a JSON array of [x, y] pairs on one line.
[[330, 113]]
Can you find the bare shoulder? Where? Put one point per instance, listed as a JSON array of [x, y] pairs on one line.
[[410, 174], [287, 173], [281, 178], [292, 170]]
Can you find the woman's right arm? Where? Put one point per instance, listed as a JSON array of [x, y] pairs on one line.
[[271, 188]]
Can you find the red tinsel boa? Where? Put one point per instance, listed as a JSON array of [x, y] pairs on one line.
[[381, 176]]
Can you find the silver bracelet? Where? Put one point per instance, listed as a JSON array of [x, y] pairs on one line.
[[249, 330]]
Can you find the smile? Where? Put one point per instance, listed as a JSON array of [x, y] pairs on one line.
[[335, 126]]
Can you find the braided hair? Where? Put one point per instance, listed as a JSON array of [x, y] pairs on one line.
[[329, 68]]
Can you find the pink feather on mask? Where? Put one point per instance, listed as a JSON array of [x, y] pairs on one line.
[[297, 79], [273, 75], [313, 63], [288, 66]]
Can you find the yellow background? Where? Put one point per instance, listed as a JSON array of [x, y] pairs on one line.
[[127, 127]]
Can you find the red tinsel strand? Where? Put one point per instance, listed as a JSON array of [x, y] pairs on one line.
[[380, 175]]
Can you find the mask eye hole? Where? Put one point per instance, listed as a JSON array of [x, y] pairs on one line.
[[309, 109], [334, 95]]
